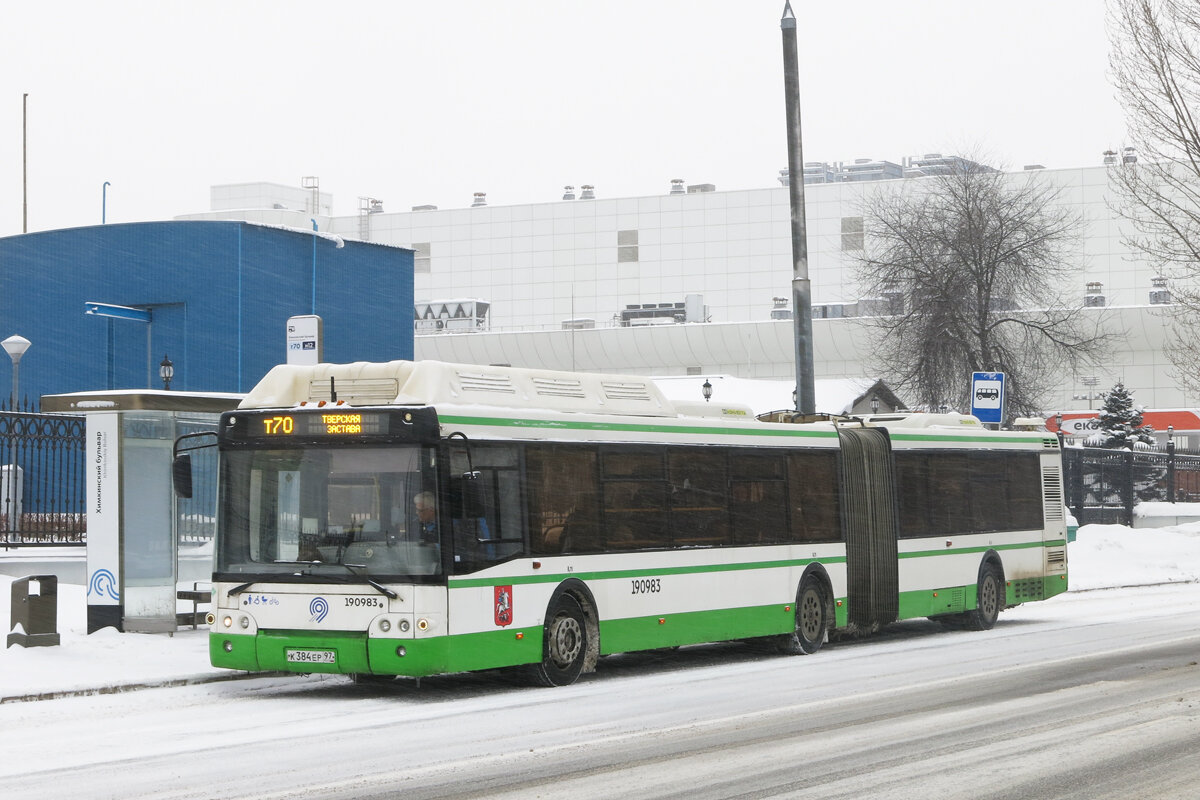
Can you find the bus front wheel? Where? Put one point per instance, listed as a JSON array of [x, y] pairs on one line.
[[812, 620], [564, 644]]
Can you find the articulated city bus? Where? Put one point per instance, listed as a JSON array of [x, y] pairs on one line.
[[415, 518]]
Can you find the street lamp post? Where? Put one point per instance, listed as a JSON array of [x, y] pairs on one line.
[[1171, 463], [15, 346], [166, 371], [104, 202]]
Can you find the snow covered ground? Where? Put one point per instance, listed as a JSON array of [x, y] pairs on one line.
[[1102, 557]]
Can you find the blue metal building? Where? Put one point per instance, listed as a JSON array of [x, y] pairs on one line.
[[219, 296]]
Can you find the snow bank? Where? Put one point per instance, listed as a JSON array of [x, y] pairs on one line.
[[1107, 556]]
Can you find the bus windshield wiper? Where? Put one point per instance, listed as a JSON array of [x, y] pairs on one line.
[[366, 578], [240, 589]]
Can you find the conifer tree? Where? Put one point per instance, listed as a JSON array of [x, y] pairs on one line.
[[1121, 421]]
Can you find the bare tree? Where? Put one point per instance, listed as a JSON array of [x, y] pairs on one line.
[[1155, 62], [968, 267]]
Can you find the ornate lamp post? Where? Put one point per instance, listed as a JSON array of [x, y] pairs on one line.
[[166, 371]]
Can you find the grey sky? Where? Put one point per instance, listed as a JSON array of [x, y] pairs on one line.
[[427, 102]]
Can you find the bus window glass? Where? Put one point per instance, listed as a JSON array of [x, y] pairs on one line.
[[1024, 496], [989, 492], [699, 508], [561, 486], [635, 515], [813, 496], [326, 506], [633, 464], [913, 490], [497, 535], [757, 510], [950, 485]]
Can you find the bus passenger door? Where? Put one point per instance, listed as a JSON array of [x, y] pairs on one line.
[[870, 526]]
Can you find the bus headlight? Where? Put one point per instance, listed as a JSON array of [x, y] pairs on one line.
[[404, 626], [422, 624], [227, 622], [244, 622], [384, 625]]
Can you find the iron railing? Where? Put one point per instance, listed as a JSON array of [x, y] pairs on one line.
[[1103, 486], [42, 480]]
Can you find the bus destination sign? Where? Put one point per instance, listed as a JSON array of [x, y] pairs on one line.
[[332, 423]]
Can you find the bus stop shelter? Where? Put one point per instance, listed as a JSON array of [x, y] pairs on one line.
[[141, 539]]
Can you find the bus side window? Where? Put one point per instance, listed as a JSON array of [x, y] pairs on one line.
[[491, 530], [561, 485], [813, 496]]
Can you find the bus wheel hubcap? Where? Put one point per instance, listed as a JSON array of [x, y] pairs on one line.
[[566, 640], [810, 616]]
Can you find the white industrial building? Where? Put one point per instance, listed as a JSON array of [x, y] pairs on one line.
[[698, 281]]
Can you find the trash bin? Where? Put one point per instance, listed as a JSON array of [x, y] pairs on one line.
[[35, 609]]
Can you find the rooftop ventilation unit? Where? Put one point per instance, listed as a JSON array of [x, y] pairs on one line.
[[587, 192], [1095, 295], [780, 309], [480, 200], [568, 193], [1110, 158], [677, 186], [700, 188], [426, 207], [1160, 295]]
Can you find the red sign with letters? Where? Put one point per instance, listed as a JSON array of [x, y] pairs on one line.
[[504, 605]]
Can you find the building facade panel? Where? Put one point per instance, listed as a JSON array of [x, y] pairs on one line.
[[218, 293]]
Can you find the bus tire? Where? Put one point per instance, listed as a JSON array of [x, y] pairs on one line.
[[564, 643], [988, 601], [812, 620]]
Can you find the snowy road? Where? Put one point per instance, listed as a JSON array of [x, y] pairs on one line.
[[1090, 695]]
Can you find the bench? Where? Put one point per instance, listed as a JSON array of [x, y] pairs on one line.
[[197, 596]]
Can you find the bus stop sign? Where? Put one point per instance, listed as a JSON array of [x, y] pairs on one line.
[[987, 396]]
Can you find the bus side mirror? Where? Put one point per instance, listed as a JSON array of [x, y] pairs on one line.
[[471, 489], [181, 475]]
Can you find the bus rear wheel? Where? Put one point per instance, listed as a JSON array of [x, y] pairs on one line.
[[812, 620], [564, 644], [989, 600]]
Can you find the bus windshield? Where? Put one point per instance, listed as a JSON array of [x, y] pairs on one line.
[[328, 507]]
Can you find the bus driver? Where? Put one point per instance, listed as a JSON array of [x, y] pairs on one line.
[[426, 518]]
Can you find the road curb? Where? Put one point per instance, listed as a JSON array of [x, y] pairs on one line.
[[134, 687]]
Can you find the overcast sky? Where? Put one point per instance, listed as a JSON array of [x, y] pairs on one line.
[[415, 101]]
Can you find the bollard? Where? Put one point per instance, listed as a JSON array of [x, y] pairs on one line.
[[35, 609]]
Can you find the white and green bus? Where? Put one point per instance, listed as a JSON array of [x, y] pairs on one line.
[[415, 518]]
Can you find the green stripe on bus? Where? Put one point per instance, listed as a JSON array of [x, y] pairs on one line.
[[977, 549], [695, 627], [600, 575], [630, 427]]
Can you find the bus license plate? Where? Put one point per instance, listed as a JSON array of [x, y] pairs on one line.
[[311, 656]]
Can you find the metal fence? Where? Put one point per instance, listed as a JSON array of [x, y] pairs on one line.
[[1103, 486], [42, 482]]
